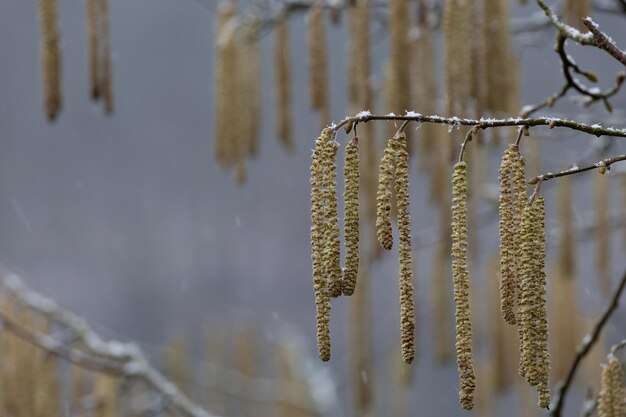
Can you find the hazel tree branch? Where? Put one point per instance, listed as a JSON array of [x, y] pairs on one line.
[[482, 123], [602, 166], [603, 41], [583, 349]]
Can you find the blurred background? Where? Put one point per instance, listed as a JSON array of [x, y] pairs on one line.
[[129, 221]]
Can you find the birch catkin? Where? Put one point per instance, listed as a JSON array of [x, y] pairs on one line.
[[383, 197], [508, 282], [351, 219], [322, 301], [331, 255], [50, 57], [407, 307], [461, 286], [612, 392]]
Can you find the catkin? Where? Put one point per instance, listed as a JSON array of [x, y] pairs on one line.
[[407, 307], [331, 255], [318, 77], [107, 395], [351, 219], [534, 356], [225, 98], [506, 208], [282, 64], [383, 197], [320, 284], [50, 57], [461, 286], [612, 392], [92, 42], [107, 71]]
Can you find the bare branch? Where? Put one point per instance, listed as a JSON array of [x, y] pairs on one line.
[[552, 122], [583, 349], [601, 165], [604, 42]]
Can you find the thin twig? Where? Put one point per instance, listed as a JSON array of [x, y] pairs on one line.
[[565, 30], [606, 163], [603, 41], [595, 129], [583, 349], [468, 138]]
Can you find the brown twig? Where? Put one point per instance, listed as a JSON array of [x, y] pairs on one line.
[[468, 138], [603, 41], [583, 349], [596, 129], [603, 164]]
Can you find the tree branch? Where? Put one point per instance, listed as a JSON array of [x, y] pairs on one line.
[[583, 349], [603, 41], [603, 164], [552, 122]]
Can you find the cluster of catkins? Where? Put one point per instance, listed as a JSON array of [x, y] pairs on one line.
[[522, 261], [99, 54], [612, 392], [329, 279]]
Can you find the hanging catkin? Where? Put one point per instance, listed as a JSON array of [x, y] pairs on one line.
[[226, 77], [250, 87], [331, 255], [351, 218], [612, 391], [575, 11], [107, 72], [399, 65], [107, 395], [92, 42], [383, 197], [508, 282], [318, 238], [50, 56], [282, 70], [460, 274], [407, 307], [318, 77], [497, 37], [534, 356]]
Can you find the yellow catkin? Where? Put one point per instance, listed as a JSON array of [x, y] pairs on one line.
[[460, 274], [50, 57], [457, 55], [383, 197], [250, 87], [575, 11], [226, 77], [498, 48], [603, 235], [318, 68], [331, 255], [534, 362], [612, 392], [106, 395], [92, 43], [519, 196], [399, 81], [351, 218], [361, 369], [177, 359], [282, 63], [107, 70], [320, 284], [407, 304], [506, 208]]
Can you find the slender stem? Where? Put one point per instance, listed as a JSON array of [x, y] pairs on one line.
[[595, 129], [549, 175], [583, 349], [468, 138]]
